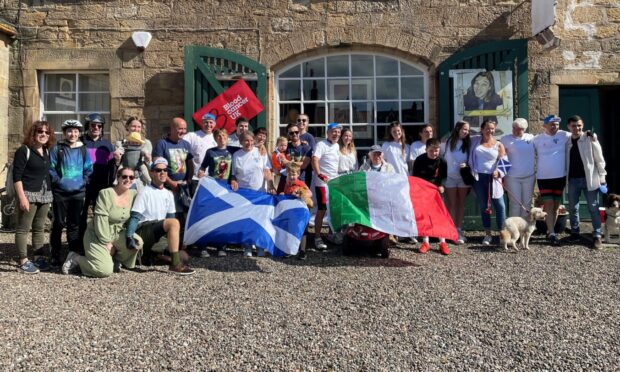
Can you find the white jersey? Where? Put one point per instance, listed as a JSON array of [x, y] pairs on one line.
[[199, 142], [248, 168], [329, 158], [454, 159], [551, 155], [393, 154], [153, 203]]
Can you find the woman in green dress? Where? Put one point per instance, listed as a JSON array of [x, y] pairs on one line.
[[105, 234]]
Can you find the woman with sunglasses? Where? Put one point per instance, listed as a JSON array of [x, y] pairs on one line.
[[105, 234], [33, 188]]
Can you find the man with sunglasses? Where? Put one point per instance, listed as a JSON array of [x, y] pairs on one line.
[[305, 137], [297, 152], [101, 153], [153, 217]]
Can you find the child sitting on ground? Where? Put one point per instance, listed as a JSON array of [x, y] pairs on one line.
[[432, 168], [278, 159], [295, 186]]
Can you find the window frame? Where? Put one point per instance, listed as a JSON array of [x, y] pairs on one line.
[[79, 115], [327, 100]]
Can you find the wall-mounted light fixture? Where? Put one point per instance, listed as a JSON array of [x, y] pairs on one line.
[[141, 39]]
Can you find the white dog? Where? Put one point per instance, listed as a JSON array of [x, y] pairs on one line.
[[519, 228], [612, 219]]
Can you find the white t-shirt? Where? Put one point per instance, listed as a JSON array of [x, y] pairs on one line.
[[347, 163], [233, 140], [520, 151], [200, 142], [393, 154], [153, 203], [551, 155], [416, 149], [329, 157], [248, 167], [454, 159]]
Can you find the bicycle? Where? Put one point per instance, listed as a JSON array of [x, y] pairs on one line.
[[8, 209]]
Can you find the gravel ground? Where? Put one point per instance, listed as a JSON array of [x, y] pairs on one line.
[[552, 308]]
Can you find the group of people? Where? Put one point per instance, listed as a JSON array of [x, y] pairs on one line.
[[139, 194]]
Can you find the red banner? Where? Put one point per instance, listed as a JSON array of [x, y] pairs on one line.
[[236, 101]]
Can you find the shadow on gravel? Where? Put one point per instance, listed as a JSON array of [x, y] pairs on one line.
[[8, 253], [233, 262]]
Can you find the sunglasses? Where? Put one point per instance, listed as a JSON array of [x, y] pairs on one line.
[[160, 170], [293, 132], [46, 132], [302, 120], [96, 125], [127, 177]]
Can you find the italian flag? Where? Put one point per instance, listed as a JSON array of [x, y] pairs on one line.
[[392, 203]]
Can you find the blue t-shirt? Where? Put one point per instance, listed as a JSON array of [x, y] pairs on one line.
[[178, 154], [298, 153], [217, 162]]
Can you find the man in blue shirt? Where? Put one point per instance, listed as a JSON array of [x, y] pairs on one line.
[[177, 153]]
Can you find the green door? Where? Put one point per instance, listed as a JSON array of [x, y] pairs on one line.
[[585, 103], [497, 55], [210, 71]]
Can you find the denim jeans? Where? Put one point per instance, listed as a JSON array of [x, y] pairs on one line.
[[575, 187], [67, 211], [481, 188]]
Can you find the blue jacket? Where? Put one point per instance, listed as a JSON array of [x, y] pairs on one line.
[[70, 168]]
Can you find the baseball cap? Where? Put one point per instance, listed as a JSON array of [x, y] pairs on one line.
[[375, 148], [208, 116], [159, 161], [552, 119], [333, 125]]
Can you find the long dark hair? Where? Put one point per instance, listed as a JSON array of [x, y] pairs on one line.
[[487, 75], [403, 139], [454, 137]]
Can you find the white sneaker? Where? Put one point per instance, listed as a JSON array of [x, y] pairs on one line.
[[70, 263], [413, 240], [221, 253], [461, 239], [204, 253], [247, 251], [487, 240]]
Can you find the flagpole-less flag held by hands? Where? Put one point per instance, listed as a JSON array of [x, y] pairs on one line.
[[219, 215], [391, 203], [233, 103]]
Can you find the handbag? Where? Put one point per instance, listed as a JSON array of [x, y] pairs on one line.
[[466, 175]]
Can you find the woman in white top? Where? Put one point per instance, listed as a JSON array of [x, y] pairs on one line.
[[418, 148], [520, 180], [454, 152], [485, 153], [347, 162], [395, 149]]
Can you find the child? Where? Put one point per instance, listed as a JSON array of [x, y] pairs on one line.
[[432, 168], [134, 156], [295, 186], [278, 159]]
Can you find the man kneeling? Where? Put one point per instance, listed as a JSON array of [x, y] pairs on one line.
[[152, 218]]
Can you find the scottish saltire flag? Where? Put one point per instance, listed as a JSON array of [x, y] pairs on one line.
[[391, 203], [219, 215], [504, 165]]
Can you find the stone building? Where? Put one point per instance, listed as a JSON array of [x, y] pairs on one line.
[[360, 62]]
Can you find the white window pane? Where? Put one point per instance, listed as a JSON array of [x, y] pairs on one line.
[[386, 66], [291, 72], [314, 89], [60, 102], [338, 65], [338, 112], [289, 90], [362, 112], [93, 83], [387, 88], [314, 68], [94, 102], [361, 65], [362, 89], [60, 83], [412, 88], [406, 69], [338, 89]]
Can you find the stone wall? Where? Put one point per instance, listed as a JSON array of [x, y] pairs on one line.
[[96, 35], [4, 101]]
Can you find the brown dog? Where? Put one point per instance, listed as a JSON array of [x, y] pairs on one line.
[[612, 219], [519, 228]]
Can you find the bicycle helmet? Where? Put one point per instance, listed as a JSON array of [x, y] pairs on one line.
[[71, 123], [94, 118]]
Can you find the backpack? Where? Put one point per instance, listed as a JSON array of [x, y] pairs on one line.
[[9, 184]]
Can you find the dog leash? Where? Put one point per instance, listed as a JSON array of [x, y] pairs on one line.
[[513, 196]]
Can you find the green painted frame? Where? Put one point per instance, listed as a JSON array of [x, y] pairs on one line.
[[203, 64], [496, 55]]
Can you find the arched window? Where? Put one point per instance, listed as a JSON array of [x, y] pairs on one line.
[[362, 91]]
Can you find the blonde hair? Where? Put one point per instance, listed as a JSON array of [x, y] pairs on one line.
[[350, 146], [281, 140], [292, 167]]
